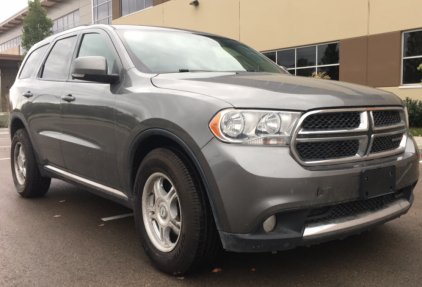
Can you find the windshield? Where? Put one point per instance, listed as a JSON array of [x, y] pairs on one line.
[[175, 52]]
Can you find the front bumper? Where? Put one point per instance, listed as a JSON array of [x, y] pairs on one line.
[[257, 182]]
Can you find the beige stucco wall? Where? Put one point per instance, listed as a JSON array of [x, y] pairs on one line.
[[403, 92], [11, 51], [275, 24]]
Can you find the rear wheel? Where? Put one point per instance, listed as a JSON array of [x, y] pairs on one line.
[[26, 175], [172, 214]]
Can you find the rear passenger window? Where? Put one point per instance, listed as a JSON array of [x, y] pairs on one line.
[[31, 63], [95, 45], [57, 65]]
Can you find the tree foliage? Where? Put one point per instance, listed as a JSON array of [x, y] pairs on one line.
[[36, 25], [320, 75]]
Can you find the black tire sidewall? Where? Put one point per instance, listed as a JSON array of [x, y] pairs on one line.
[[180, 259]]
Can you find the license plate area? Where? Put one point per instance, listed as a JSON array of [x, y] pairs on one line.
[[376, 182]]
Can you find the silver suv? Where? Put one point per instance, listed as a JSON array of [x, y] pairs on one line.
[[211, 144]]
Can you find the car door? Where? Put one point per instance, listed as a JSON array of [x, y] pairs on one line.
[[41, 99], [87, 116]]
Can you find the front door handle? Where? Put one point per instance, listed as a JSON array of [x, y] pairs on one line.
[[69, 98], [28, 94]]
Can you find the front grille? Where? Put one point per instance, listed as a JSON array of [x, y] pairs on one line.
[[348, 135], [327, 150], [386, 143], [386, 118], [323, 214], [332, 121]]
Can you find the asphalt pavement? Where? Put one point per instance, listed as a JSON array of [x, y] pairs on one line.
[[60, 240]]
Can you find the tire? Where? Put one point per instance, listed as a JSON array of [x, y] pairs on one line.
[[198, 242], [29, 183]]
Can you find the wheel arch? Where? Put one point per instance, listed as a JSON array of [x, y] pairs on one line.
[[153, 138]]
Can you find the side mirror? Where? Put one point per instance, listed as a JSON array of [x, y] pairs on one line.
[[93, 68]]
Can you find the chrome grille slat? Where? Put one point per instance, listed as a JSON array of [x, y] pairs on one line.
[[337, 136]]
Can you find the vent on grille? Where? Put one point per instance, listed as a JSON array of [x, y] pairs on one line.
[[385, 143], [332, 121], [350, 208], [386, 118], [327, 150]]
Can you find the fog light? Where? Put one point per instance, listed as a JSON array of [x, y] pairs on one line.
[[270, 223]]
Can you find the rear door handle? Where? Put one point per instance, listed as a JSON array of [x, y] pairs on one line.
[[68, 98], [27, 94]]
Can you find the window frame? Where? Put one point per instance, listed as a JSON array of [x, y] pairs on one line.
[[145, 8], [47, 54], [110, 43], [109, 9], [316, 66], [405, 58], [36, 66]]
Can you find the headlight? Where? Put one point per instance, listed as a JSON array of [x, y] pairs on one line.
[[254, 127]]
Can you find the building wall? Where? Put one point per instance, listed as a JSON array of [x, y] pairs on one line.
[[369, 31]]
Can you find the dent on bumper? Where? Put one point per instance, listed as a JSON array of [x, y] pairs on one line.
[[256, 182]]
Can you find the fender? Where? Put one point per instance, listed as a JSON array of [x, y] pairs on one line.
[[200, 164]]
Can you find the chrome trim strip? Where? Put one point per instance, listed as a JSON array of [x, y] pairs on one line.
[[363, 127], [400, 149], [363, 143], [343, 224], [402, 124], [106, 189]]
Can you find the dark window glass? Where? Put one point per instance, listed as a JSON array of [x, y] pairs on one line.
[[411, 75], [332, 71], [293, 72], [328, 54], [412, 44], [306, 56], [305, 72], [96, 45], [32, 62], [58, 62], [286, 58], [170, 52], [271, 56]]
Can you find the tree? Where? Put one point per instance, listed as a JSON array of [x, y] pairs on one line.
[[36, 25]]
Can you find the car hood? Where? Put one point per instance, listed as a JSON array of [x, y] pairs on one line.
[[276, 91]]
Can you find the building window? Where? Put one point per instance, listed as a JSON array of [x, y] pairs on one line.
[[131, 6], [102, 12], [10, 44], [66, 22], [412, 57], [303, 61]]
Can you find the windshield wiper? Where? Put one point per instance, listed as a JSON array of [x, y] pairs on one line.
[[193, 71]]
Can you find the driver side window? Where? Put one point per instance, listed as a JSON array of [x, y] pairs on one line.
[[94, 44]]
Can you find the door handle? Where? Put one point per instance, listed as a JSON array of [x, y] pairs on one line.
[[69, 98], [28, 94]]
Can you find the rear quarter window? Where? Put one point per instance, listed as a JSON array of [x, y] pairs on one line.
[[32, 62]]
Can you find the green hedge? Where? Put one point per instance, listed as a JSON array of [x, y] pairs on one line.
[[414, 109], [3, 120]]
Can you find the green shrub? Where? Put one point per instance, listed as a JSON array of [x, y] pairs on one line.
[[414, 109], [3, 120]]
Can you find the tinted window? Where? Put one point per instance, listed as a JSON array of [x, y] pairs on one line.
[[31, 63], [270, 55], [96, 45], [412, 57], [328, 54], [286, 58], [306, 56], [58, 62]]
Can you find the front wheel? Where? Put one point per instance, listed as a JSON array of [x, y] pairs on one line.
[[172, 214], [26, 175]]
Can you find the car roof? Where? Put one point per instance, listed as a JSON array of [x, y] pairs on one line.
[[117, 27]]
